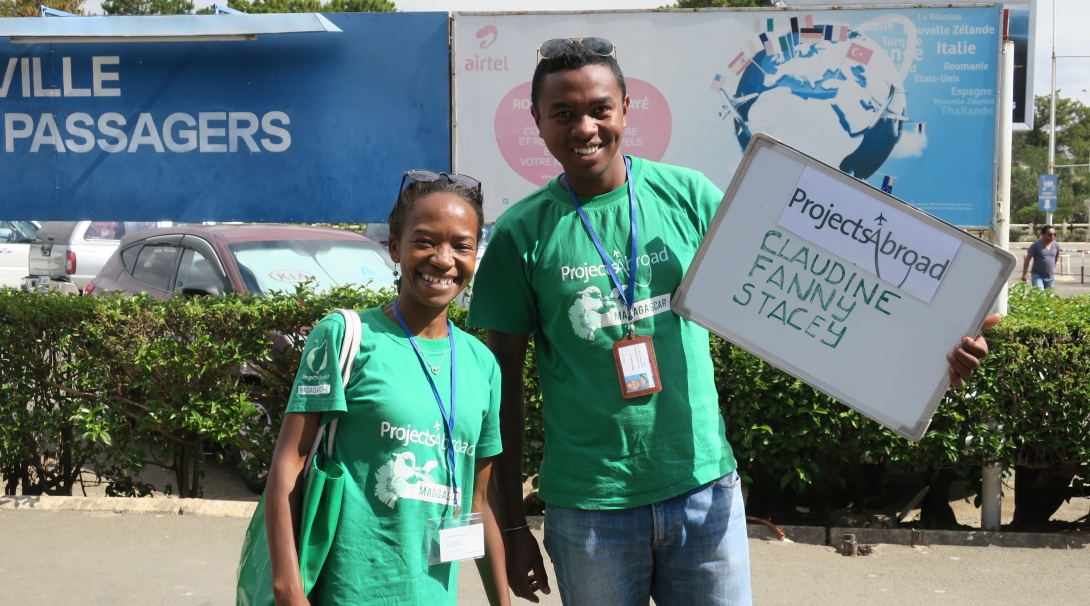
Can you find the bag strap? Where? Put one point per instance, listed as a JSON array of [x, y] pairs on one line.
[[350, 348]]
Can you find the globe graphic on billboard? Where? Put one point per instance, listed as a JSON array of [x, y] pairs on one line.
[[828, 90]]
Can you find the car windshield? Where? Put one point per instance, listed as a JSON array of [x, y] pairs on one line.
[[278, 265], [22, 232]]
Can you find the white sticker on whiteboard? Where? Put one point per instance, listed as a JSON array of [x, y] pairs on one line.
[[880, 239]]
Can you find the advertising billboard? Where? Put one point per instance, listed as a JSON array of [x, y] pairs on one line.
[[288, 128], [1021, 31], [903, 98]]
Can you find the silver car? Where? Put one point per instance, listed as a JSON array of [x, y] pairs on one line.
[[66, 255], [15, 238]]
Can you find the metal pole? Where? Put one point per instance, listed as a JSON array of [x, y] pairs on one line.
[[991, 493], [991, 500], [1052, 116], [1006, 144]]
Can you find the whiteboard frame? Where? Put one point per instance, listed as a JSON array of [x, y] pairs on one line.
[[760, 140]]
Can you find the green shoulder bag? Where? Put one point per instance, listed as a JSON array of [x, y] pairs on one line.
[[323, 491]]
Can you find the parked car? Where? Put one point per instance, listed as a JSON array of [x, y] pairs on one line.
[[15, 238], [65, 255], [379, 232], [218, 259]]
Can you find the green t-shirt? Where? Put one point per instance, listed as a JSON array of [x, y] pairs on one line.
[[542, 274], [391, 438]]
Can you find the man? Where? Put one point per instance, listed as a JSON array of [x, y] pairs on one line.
[[643, 495], [1045, 254]]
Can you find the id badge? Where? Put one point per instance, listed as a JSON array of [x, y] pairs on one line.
[[636, 367], [455, 538]]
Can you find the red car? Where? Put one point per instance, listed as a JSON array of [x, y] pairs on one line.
[[258, 258]]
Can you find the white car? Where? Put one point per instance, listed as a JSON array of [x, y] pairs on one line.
[[66, 255], [15, 238]]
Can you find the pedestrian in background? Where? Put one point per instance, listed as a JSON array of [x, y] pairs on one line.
[[1045, 254]]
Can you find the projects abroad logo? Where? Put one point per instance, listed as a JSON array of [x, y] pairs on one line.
[[316, 361], [879, 239]]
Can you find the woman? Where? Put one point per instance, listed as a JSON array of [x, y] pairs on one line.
[[393, 432]]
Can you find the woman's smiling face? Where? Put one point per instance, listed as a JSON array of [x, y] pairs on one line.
[[437, 249]]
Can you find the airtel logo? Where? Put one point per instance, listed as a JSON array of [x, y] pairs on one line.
[[487, 35]]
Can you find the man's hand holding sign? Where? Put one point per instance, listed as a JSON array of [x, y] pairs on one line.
[[967, 355]]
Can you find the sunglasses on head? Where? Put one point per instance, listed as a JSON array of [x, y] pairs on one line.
[[430, 176], [551, 49]]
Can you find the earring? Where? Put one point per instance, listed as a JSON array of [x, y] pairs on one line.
[[469, 290], [397, 278]]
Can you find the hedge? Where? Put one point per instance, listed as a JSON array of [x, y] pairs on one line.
[[114, 384]]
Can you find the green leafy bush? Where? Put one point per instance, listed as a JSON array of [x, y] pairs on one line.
[[115, 384]]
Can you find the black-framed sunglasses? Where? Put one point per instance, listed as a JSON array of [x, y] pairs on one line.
[[430, 176], [550, 49]]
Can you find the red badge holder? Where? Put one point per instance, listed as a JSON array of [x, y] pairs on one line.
[[637, 368]]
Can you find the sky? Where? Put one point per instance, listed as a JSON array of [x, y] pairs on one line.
[[1072, 75]]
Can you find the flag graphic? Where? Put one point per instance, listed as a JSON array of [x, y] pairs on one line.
[[887, 183], [794, 25], [771, 25], [920, 128], [717, 83], [843, 37], [741, 62], [808, 20], [812, 33], [859, 53], [769, 49], [828, 32], [758, 27], [752, 46], [786, 50]]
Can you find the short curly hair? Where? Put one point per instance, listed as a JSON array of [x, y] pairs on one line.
[[576, 56]]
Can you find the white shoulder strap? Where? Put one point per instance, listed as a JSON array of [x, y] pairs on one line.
[[350, 348]]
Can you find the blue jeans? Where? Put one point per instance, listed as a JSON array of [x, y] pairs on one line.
[[690, 550], [1041, 282]]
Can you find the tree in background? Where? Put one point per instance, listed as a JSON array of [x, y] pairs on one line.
[[29, 8], [312, 6], [146, 7], [184, 7], [721, 3], [1030, 159]]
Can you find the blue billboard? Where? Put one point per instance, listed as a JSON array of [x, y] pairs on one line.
[[313, 127]]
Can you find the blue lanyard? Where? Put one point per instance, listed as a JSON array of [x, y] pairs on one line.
[[629, 297], [447, 420]]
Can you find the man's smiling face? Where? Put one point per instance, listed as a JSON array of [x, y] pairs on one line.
[[581, 116]]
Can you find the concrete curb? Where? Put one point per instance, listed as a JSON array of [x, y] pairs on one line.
[[809, 535], [200, 507], [965, 538]]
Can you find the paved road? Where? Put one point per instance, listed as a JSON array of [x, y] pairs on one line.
[[61, 558]]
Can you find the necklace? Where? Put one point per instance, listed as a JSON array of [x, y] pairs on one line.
[[434, 367]]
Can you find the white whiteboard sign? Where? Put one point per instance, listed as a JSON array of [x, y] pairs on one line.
[[847, 288]]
